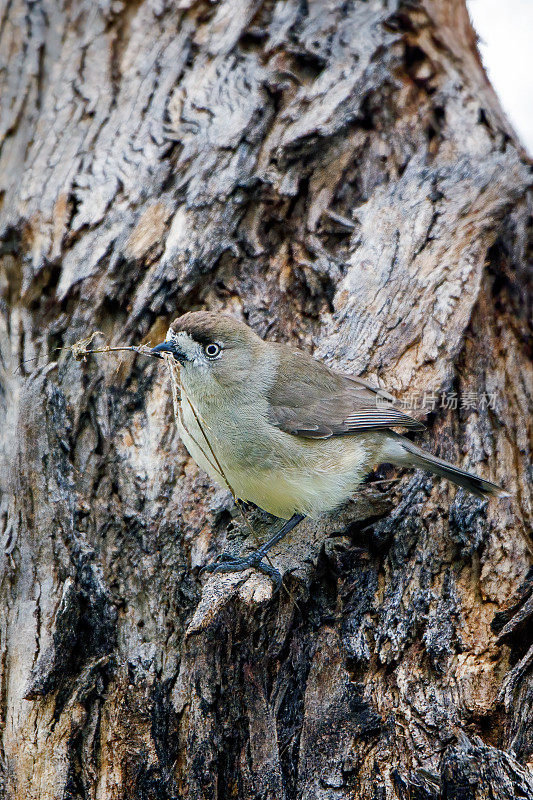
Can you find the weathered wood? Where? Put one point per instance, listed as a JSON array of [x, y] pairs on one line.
[[339, 174]]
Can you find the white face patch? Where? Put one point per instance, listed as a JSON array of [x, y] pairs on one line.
[[191, 349]]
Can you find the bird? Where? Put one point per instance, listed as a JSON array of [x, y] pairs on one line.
[[283, 430]]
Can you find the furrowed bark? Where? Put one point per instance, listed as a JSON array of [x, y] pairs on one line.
[[341, 176]]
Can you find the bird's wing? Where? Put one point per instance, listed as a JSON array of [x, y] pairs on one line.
[[317, 403]]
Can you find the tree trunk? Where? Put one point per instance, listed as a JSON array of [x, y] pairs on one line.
[[340, 175]]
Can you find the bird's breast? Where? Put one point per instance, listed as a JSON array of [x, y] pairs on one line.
[[280, 473]]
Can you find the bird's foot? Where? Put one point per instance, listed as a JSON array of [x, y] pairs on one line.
[[226, 562]]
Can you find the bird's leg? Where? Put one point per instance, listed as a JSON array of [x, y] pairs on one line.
[[228, 563], [283, 531]]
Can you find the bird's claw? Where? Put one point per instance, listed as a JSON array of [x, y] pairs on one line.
[[225, 562], [221, 559]]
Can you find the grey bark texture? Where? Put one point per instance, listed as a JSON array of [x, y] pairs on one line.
[[339, 174]]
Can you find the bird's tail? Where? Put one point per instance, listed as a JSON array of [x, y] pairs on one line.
[[403, 452]]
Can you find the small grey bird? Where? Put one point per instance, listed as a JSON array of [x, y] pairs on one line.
[[283, 430]]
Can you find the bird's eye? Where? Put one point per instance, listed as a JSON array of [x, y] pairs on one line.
[[212, 350]]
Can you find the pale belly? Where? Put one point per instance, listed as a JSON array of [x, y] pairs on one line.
[[290, 474], [301, 491]]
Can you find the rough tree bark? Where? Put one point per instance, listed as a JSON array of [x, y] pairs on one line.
[[340, 175]]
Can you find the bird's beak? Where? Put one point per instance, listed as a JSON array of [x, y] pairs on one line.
[[168, 347], [164, 347]]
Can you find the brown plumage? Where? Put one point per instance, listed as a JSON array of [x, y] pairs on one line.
[[283, 430], [205, 327], [317, 402], [292, 434]]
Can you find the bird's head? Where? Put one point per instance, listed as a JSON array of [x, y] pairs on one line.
[[216, 352]]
